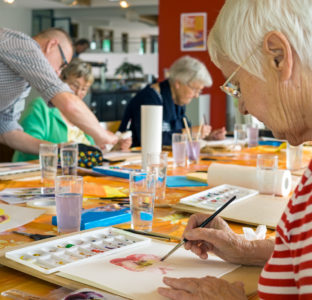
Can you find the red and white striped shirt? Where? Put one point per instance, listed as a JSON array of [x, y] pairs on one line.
[[288, 273]]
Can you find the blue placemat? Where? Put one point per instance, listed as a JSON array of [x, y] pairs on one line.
[[102, 216], [179, 181]]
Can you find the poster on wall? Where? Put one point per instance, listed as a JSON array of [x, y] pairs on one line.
[[193, 31]]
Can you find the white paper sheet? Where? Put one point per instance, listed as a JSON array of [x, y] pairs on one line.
[[12, 216], [101, 273]]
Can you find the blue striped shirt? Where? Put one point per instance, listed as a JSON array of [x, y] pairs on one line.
[[22, 65]]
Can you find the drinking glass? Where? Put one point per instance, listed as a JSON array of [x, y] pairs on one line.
[[240, 134], [179, 149], [193, 151], [157, 163], [68, 198], [142, 197], [293, 157], [267, 164], [48, 163], [69, 158], [252, 136]]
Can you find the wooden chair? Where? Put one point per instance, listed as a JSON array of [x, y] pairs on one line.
[[6, 153], [111, 125]]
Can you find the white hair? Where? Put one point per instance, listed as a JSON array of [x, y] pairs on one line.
[[188, 69], [242, 24]]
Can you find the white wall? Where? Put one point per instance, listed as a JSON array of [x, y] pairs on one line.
[[15, 18]]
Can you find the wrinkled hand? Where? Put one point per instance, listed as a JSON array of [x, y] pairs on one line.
[[216, 237], [208, 287], [217, 134]]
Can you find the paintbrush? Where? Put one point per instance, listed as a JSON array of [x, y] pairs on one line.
[[199, 129], [189, 137], [152, 234], [209, 219]]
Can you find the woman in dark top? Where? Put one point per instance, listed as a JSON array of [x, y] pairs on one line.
[[187, 78]]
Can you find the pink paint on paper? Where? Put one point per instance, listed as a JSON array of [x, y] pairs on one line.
[[140, 263]]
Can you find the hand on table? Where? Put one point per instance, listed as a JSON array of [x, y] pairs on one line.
[[217, 134], [208, 287]]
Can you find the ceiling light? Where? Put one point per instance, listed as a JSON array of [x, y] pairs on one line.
[[9, 1], [124, 4]]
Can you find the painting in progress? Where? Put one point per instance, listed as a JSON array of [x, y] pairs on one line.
[[12, 216], [136, 273]]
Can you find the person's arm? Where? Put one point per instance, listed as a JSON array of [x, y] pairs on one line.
[[21, 141], [78, 113], [223, 242]]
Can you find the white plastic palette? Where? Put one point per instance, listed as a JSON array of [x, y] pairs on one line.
[[49, 257], [215, 197]]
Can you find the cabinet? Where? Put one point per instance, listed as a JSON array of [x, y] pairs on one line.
[[110, 106]]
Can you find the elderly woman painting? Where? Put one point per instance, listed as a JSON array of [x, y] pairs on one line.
[[187, 78], [264, 49]]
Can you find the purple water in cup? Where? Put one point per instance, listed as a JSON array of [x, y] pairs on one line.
[[68, 198]]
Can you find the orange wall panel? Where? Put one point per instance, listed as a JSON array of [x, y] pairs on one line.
[[169, 47]]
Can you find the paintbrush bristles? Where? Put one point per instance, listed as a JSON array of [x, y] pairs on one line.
[[199, 129], [187, 130]]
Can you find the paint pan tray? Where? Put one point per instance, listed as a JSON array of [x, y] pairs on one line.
[[50, 256], [214, 198]]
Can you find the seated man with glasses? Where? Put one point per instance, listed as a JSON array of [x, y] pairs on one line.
[[49, 124], [37, 62], [187, 78]]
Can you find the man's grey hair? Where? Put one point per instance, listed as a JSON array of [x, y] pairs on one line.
[[188, 69], [241, 26]]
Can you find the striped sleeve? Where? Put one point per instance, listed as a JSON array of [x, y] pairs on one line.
[[288, 273]]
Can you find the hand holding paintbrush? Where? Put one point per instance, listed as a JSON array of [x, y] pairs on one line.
[[203, 224]]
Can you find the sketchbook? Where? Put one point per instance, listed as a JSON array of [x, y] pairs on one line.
[[7, 169], [256, 210], [142, 272]]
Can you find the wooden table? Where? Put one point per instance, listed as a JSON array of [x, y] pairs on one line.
[[166, 221]]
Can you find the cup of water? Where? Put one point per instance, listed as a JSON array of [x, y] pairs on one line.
[[142, 197], [48, 163], [193, 151], [179, 149], [68, 198], [267, 165], [240, 134], [69, 158], [157, 163], [293, 157], [252, 136]]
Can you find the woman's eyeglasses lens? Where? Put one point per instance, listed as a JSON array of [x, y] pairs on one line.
[[231, 90]]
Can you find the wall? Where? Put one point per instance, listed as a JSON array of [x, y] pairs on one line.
[[169, 47], [15, 18]]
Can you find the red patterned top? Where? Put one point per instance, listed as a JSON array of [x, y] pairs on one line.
[[288, 273]]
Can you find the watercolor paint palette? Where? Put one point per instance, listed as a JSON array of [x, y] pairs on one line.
[[215, 197], [50, 256]]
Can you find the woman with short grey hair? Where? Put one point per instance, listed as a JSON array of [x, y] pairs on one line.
[[188, 69], [187, 78], [263, 48]]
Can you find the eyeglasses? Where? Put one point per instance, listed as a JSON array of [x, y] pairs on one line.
[[196, 91], [65, 62], [231, 89]]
